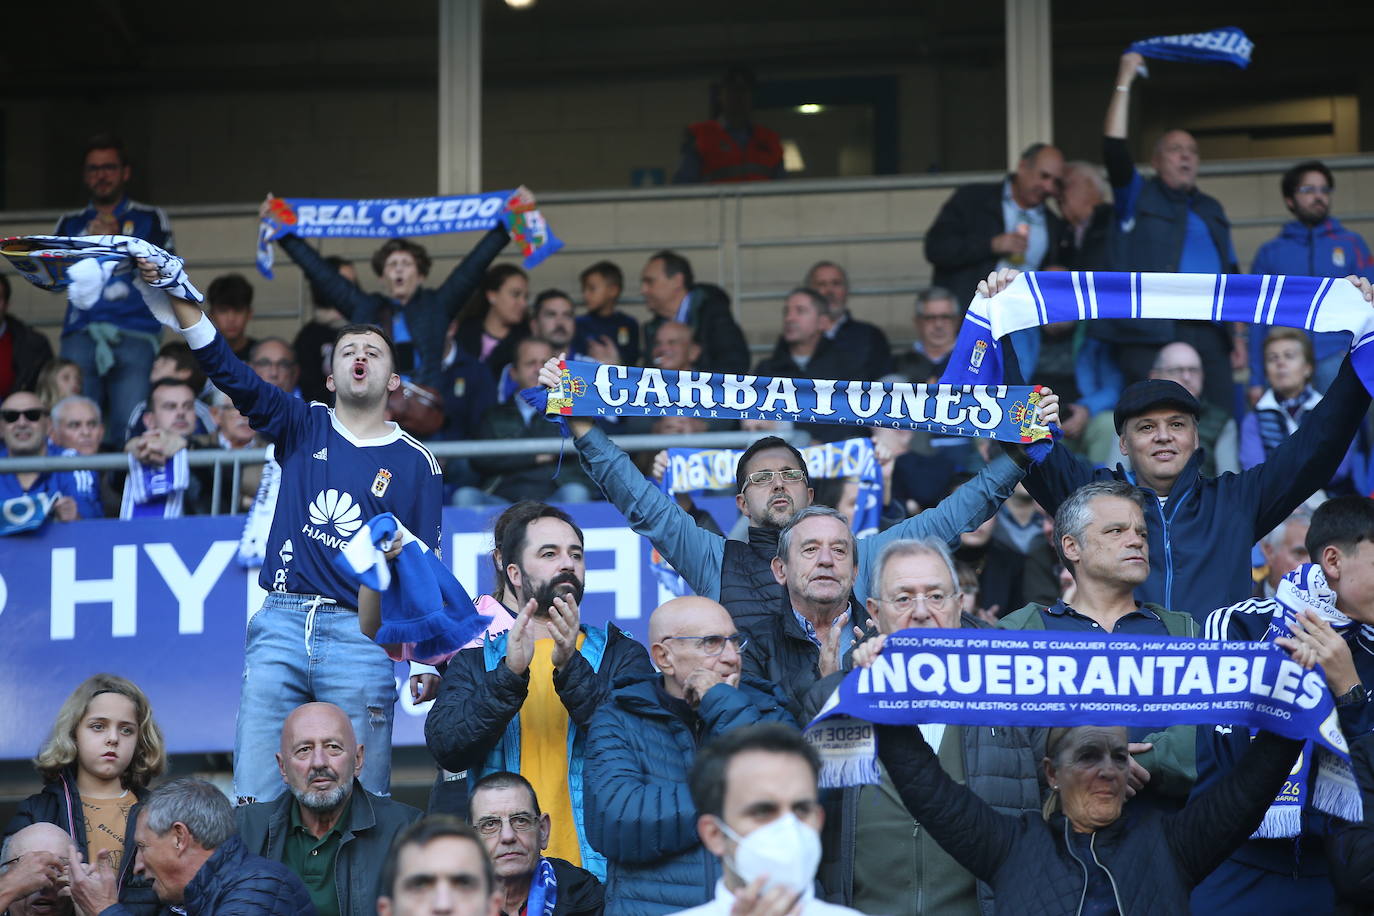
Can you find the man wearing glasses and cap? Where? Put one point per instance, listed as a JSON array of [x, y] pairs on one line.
[[640, 749]]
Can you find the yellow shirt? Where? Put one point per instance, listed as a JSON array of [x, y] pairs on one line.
[[107, 819], [544, 752]]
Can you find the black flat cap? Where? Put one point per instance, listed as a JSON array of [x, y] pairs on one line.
[[1150, 394]]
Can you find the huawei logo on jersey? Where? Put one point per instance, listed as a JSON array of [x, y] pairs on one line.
[[336, 508]]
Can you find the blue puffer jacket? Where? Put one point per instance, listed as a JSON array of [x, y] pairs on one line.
[[639, 812], [234, 882], [1300, 250]]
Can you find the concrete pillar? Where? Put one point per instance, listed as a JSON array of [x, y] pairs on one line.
[[1030, 98], [460, 96]]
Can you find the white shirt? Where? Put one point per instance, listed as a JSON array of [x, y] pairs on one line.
[[724, 900]]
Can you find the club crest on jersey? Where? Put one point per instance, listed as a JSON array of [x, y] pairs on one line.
[[980, 350], [1338, 256], [381, 482]]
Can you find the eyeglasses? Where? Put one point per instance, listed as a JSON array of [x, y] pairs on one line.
[[282, 364], [715, 643], [521, 823], [936, 601], [32, 414], [1315, 189], [766, 477]]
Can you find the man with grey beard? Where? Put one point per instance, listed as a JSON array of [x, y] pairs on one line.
[[329, 830]]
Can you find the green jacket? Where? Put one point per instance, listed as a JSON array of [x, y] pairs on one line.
[[1172, 762]]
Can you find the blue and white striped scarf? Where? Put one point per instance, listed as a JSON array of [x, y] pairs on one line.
[[1034, 299], [156, 491]]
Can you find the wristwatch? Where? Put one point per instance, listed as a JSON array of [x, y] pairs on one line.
[[1356, 696]]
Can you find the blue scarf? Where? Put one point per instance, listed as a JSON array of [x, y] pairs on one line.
[[593, 390], [156, 491], [83, 266], [1227, 45], [384, 219], [422, 602], [1331, 782], [543, 896], [1034, 299], [30, 512], [693, 469], [1035, 678]]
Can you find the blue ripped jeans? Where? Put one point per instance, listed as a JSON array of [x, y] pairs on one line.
[[301, 651]]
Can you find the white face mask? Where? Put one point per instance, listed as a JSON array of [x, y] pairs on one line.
[[786, 850]]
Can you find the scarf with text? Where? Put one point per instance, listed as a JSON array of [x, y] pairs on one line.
[[1328, 778], [84, 266], [992, 412], [1036, 678], [1228, 45], [543, 898], [422, 602], [391, 218], [258, 525], [28, 512], [156, 491], [1315, 304]]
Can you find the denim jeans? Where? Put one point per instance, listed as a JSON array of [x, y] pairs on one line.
[[119, 390], [297, 655]]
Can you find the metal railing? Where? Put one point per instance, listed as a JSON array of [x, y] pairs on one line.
[[235, 460]]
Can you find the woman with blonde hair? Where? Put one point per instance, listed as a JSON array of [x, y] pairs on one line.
[[58, 379], [103, 751]]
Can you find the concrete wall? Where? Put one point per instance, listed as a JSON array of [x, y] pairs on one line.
[[753, 242]]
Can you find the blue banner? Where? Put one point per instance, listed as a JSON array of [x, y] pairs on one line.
[[1032, 678], [394, 217], [164, 603], [990, 412], [1227, 45]]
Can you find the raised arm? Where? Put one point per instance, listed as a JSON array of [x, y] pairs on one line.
[[332, 286], [467, 276], [965, 826], [1116, 123]]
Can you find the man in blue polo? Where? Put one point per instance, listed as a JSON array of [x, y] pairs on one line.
[[116, 340], [28, 498]]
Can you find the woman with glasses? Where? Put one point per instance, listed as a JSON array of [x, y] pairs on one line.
[[640, 748]]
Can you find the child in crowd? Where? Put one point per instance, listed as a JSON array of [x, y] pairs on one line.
[[59, 378], [103, 751], [603, 324]]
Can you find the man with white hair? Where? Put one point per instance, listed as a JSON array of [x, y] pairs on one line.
[[877, 858], [1284, 549], [77, 425], [1085, 201]]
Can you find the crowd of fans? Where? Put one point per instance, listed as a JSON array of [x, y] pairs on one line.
[[580, 771]]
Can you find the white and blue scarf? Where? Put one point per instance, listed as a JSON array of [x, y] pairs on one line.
[[156, 491], [258, 525], [1228, 45], [422, 602], [84, 265], [592, 390], [29, 512], [390, 218], [543, 898], [1034, 678], [1327, 778], [1037, 298]]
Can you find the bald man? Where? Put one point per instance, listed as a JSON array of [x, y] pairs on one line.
[[29, 881], [641, 745], [328, 829]]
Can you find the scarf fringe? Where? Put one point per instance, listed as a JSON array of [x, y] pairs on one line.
[[849, 771], [1279, 823]]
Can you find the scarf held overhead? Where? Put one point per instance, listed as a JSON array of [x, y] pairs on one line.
[[594, 390], [1042, 679], [1034, 299], [1227, 45], [373, 219]]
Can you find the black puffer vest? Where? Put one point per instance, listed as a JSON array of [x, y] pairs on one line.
[[747, 587]]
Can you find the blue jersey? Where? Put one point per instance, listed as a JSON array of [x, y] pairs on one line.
[[120, 302], [331, 482], [20, 507]]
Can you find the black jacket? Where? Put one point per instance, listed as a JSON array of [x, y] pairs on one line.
[[1350, 847], [373, 822], [517, 477], [865, 346], [1200, 538], [427, 314], [826, 362], [579, 893], [780, 652], [31, 351], [1093, 250], [1154, 859], [469, 337], [722, 342], [747, 587], [59, 803], [958, 243]]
